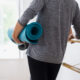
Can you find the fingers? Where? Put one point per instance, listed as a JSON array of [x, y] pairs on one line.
[[17, 40], [71, 36], [71, 41]]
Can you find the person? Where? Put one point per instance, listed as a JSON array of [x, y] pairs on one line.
[[56, 17]]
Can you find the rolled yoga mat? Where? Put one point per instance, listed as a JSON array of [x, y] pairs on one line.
[[30, 34]]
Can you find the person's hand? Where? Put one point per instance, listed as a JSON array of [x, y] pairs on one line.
[[71, 36], [18, 28]]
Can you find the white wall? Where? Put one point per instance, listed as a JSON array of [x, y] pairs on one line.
[[24, 4]]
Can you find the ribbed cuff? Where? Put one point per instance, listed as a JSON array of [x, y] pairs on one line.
[[21, 23]]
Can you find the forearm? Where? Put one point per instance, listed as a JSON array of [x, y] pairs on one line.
[[70, 31], [18, 28]]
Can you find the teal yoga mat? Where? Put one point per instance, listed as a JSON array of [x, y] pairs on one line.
[[30, 34]]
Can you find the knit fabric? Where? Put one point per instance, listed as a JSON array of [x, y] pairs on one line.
[[56, 18]]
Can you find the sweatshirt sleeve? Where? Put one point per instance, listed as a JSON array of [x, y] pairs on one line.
[[31, 11], [76, 21]]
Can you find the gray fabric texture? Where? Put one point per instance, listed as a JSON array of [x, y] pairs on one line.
[[56, 18]]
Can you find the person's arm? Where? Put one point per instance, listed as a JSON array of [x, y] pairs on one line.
[[76, 21], [17, 30], [70, 36], [29, 13]]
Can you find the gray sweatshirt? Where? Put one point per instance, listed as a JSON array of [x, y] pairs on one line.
[[56, 18]]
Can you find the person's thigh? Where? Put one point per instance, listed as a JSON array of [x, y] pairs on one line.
[[53, 70], [38, 69]]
